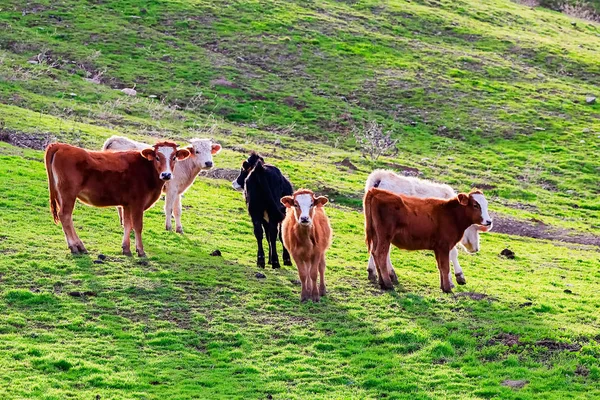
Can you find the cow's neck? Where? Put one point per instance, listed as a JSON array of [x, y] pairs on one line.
[[462, 222]]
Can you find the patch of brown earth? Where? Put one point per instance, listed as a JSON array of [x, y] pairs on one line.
[[221, 173], [474, 296], [514, 384], [346, 163], [25, 140], [558, 346], [539, 230], [507, 339], [406, 171]]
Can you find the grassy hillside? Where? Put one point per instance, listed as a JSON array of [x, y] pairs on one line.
[[489, 94]]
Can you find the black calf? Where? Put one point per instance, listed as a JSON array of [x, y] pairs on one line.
[[264, 185]]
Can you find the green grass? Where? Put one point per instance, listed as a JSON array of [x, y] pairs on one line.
[[477, 92]]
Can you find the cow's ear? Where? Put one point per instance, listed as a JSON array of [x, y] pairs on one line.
[[148, 154], [182, 154], [463, 199], [216, 147], [245, 165], [191, 150], [287, 201], [321, 201]]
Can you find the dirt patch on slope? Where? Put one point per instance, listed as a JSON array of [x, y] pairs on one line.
[[538, 230], [220, 173], [26, 140]]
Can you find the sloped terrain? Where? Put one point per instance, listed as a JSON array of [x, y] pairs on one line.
[[480, 94]]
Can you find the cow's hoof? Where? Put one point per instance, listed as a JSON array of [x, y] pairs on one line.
[[141, 254], [322, 291], [316, 299], [179, 230], [460, 279], [127, 253], [287, 263], [372, 276], [386, 286], [394, 277], [260, 262], [276, 265], [304, 299], [447, 290], [168, 228]]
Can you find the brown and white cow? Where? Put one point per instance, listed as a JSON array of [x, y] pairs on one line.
[[414, 223], [307, 235], [132, 180], [184, 173], [410, 186]]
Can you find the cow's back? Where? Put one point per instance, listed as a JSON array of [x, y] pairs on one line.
[[264, 189], [389, 180]]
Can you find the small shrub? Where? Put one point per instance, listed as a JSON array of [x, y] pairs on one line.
[[373, 141]]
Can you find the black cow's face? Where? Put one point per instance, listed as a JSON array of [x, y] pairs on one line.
[[247, 166]]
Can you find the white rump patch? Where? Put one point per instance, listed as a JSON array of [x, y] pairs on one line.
[[479, 198]]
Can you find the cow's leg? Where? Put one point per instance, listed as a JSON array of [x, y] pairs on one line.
[[120, 212], [65, 215], [137, 220], [380, 256], [169, 202], [322, 288], [458, 272], [258, 234], [127, 225], [314, 275], [391, 270], [443, 261], [304, 278], [273, 245], [286, 254], [265, 226], [371, 269], [177, 214]]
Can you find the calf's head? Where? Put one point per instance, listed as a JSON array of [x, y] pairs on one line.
[[247, 166], [164, 155], [202, 151], [470, 239], [476, 208], [303, 202]]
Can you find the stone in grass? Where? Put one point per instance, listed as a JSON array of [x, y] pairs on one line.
[[260, 275], [98, 262], [101, 256], [508, 254], [515, 384], [216, 253], [590, 100]]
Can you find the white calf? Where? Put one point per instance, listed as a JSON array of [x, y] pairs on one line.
[[399, 184], [184, 173]]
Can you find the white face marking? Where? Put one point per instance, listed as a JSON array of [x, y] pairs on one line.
[[479, 198], [305, 202], [203, 152], [166, 152]]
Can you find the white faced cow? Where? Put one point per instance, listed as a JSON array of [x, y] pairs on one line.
[[410, 186], [184, 173]]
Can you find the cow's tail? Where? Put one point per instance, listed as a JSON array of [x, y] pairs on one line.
[[272, 207], [49, 158], [370, 229]]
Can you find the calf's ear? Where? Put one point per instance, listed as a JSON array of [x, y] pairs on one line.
[[463, 199], [182, 154], [148, 154], [287, 201], [216, 147], [321, 201]]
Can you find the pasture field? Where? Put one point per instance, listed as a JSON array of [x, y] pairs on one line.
[[489, 94]]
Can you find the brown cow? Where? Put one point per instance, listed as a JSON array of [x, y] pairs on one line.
[[414, 223], [132, 180], [307, 235]]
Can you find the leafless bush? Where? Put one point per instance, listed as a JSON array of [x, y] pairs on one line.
[[373, 141], [581, 10]]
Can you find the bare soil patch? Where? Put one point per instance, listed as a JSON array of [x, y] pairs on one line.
[[221, 173], [474, 296], [539, 230], [346, 163], [26, 140]]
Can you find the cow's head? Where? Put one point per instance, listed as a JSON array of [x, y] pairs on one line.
[[247, 166], [470, 239], [202, 151], [476, 208], [164, 155], [303, 202]]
